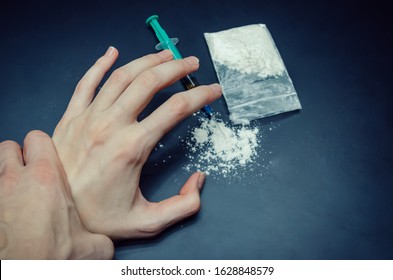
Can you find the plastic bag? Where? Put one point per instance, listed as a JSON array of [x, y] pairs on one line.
[[251, 72]]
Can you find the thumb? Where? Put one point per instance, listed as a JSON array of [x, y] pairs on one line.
[[38, 146], [176, 208], [93, 247]]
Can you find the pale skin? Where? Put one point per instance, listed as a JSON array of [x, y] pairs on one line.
[[103, 147], [38, 219], [62, 199]]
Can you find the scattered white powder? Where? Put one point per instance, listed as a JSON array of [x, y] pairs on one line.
[[217, 148], [159, 146], [248, 49]]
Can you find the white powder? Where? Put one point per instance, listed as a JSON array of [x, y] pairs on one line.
[[252, 73], [217, 148], [248, 49]]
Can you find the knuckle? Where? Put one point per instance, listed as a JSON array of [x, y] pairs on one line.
[[36, 133], [101, 64], [185, 66], [121, 75], [9, 145], [37, 136], [154, 59], [81, 86], [102, 61], [180, 105], [149, 79]]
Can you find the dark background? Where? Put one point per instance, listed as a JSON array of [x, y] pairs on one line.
[[325, 188]]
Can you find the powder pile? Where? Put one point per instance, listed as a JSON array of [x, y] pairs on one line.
[[217, 148]]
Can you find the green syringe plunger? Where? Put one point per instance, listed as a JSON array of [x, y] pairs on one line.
[[165, 41], [169, 43]]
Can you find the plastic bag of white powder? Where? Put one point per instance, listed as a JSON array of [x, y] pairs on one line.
[[251, 72]]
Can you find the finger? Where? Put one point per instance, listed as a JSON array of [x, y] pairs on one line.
[[121, 78], [141, 91], [39, 146], [177, 108], [92, 247], [174, 209], [86, 88], [10, 156]]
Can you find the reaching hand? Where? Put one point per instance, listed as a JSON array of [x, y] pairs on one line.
[[38, 219], [103, 147]]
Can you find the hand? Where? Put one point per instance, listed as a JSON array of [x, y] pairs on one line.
[[38, 219], [103, 147]]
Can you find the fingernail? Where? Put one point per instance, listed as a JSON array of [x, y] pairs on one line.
[[165, 54], [192, 60], [109, 51], [216, 87], [201, 180]]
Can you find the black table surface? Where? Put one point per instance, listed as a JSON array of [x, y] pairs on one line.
[[325, 190]]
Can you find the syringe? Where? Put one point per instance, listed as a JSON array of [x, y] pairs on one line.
[[189, 81]]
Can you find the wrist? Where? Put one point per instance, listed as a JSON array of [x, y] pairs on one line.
[[16, 243], [3, 241]]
